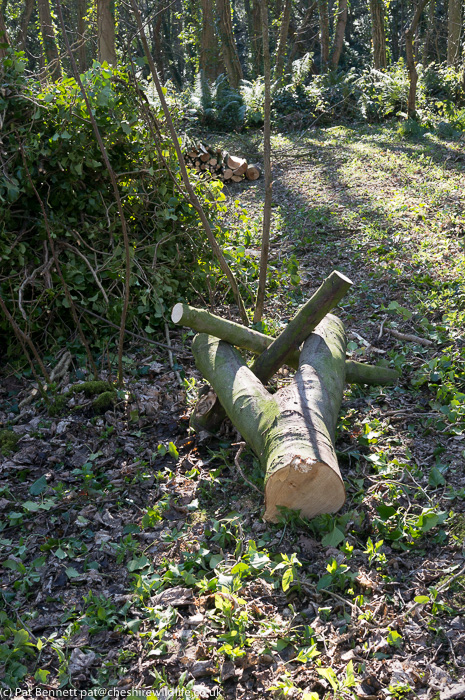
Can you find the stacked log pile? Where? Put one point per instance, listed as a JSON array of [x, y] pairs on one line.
[[290, 431], [220, 165]]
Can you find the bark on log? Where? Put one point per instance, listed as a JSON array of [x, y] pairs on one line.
[[375, 375], [291, 432], [204, 322], [308, 317]]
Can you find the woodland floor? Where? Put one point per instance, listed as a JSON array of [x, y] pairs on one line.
[[134, 555]]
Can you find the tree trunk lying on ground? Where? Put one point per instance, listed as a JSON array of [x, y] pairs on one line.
[[209, 414], [243, 337], [292, 431]]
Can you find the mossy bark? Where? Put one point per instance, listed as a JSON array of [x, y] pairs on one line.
[[204, 322], [292, 431], [228, 45], [307, 318]]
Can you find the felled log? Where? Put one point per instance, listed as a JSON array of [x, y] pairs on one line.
[[203, 321], [292, 431], [253, 172], [222, 166], [327, 296]]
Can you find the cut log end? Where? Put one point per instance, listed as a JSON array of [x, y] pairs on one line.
[[311, 487], [177, 313], [252, 172]]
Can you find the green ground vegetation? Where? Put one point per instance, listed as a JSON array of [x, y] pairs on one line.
[[159, 556]]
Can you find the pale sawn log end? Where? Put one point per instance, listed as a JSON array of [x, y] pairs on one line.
[[311, 487]]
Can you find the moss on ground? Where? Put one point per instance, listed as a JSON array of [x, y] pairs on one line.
[[105, 401], [104, 391], [91, 388], [8, 441]]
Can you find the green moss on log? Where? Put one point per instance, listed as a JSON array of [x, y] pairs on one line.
[[92, 388], [105, 401]]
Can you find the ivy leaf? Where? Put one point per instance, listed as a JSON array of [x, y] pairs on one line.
[[333, 538], [21, 637], [139, 563], [38, 486], [324, 582], [31, 506], [215, 559], [436, 478], [71, 572], [41, 675], [385, 512], [422, 599], [15, 566]]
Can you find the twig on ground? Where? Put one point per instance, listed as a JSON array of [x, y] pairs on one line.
[[380, 334], [170, 356], [241, 446], [410, 338], [354, 335]]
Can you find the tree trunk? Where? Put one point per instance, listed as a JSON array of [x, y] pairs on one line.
[[430, 31], [24, 24], [292, 432], [168, 47], [299, 35], [454, 30], [209, 61], [378, 35], [412, 71], [157, 47], [257, 41], [395, 32], [81, 35], [48, 37], [281, 348], [281, 50], [4, 42], [106, 31], [255, 32], [324, 33], [338, 43], [228, 45], [265, 246], [233, 333]]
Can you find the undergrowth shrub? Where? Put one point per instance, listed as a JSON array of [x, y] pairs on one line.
[[215, 105], [366, 95], [47, 140]]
